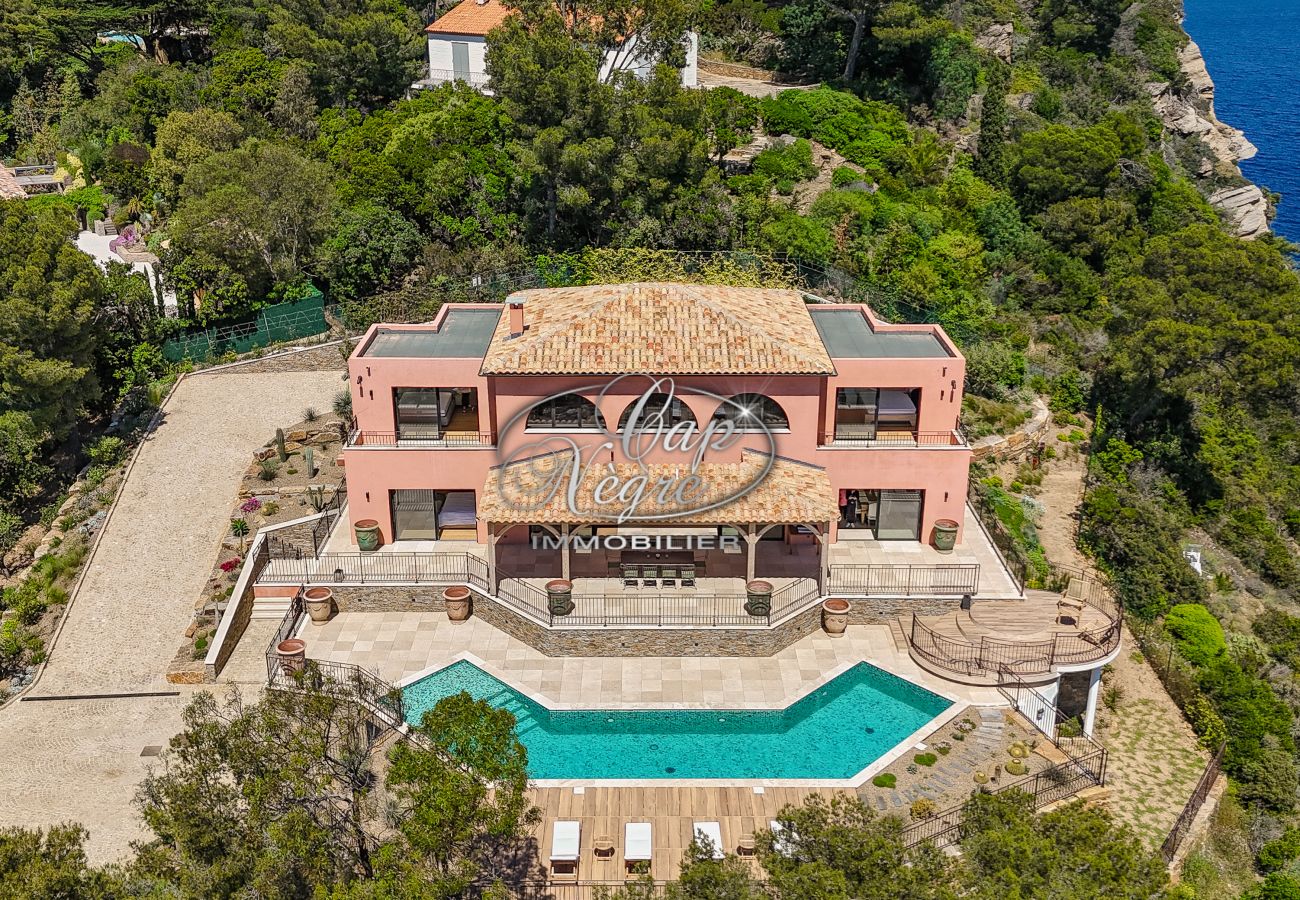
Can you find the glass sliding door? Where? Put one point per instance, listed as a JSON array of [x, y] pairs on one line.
[[415, 515], [430, 414], [460, 61], [899, 517]]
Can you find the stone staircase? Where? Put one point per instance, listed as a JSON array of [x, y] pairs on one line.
[[270, 607]]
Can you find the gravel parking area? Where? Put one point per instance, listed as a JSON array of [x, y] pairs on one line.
[[80, 760]]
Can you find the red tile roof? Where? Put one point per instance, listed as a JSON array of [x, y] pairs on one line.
[[471, 17]]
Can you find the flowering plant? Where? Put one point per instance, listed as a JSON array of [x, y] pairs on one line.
[[251, 505], [230, 565]]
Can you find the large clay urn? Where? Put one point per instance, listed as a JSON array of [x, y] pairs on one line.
[[320, 604], [835, 616], [293, 655], [457, 599]]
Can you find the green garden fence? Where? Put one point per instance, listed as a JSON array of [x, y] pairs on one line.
[[291, 321]]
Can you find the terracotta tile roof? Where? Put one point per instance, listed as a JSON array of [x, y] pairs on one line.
[[661, 329], [470, 17], [790, 492], [10, 189]]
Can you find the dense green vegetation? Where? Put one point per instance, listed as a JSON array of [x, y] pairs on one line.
[[1036, 208]]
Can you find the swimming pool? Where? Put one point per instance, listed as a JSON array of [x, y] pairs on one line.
[[833, 733]]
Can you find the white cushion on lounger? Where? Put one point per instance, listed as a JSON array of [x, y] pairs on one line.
[[636, 841], [712, 831], [564, 841]]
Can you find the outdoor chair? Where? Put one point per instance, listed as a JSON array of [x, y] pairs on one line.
[[631, 576], [565, 840], [712, 832], [638, 846], [649, 576], [687, 576], [603, 847], [668, 577], [1072, 608]]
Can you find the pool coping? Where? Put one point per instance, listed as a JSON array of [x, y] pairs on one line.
[[956, 707]]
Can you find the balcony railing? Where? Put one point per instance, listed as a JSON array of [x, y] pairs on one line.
[[443, 76], [872, 437], [908, 581], [389, 439]]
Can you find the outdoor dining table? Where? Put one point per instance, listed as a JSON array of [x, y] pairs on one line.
[[657, 557]]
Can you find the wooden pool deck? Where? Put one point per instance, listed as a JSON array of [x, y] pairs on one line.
[[671, 812]]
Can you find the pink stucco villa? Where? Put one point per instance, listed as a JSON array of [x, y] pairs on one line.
[[680, 470]]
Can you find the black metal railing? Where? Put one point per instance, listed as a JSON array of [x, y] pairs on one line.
[[308, 539], [905, 580], [993, 657], [866, 436], [448, 439], [378, 568], [1183, 825]]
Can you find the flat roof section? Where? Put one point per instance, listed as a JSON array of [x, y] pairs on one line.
[[465, 334], [847, 335]]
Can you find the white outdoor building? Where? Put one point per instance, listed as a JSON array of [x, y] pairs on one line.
[[458, 48]]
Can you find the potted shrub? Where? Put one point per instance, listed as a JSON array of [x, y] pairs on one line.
[[835, 616], [758, 598], [945, 535], [320, 604], [292, 654], [457, 599], [367, 531], [559, 596]]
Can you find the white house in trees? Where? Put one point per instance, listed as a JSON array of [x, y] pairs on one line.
[[458, 48]]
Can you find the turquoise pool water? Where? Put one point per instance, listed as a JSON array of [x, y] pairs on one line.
[[833, 733]]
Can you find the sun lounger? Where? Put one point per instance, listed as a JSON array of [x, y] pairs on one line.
[[637, 846], [565, 840], [711, 832]]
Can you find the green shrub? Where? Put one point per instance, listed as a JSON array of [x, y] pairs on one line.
[[791, 163], [1278, 853], [1207, 723], [925, 759], [1198, 635], [107, 451], [885, 780]]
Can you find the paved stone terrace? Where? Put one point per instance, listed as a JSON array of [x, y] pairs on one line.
[[399, 645], [81, 760]]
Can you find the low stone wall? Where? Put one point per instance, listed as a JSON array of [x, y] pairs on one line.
[[883, 610], [1021, 441], [736, 70], [388, 598]]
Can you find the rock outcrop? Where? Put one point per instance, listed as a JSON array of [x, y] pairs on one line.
[[1245, 207], [996, 39]]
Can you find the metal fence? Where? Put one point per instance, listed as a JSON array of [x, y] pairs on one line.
[[290, 321], [392, 439], [1183, 825], [991, 657], [868, 436], [306, 541], [905, 580]]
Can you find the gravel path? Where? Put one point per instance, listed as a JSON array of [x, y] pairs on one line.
[[75, 760]]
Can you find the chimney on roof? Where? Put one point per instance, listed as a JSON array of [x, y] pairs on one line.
[[516, 317]]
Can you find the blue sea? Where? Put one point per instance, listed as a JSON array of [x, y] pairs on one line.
[[1252, 49]]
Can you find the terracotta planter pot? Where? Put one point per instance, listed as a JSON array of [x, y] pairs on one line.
[[457, 599], [758, 598], [945, 535], [293, 655], [367, 531], [320, 604], [835, 616], [559, 596]]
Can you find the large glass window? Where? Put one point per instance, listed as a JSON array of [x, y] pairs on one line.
[[426, 515], [658, 407], [432, 413], [752, 412], [893, 515], [868, 414], [568, 411]]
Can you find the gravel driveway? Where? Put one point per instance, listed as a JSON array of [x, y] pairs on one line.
[[80, 760]]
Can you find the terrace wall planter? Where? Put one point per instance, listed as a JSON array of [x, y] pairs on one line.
[[320, 604], [457, 599], [293, 655], [945, 535], [835, 616], [367, 531], [559, 596], [758, 598]]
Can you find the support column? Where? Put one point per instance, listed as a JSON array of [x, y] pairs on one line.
[[492, 558], [564, 552], [824, 552], [1094, 690], [751, 541]]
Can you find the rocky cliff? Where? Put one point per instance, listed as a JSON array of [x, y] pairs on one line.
[[1191, 114]]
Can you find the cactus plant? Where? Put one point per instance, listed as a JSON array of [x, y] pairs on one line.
[[308, 456], [282, 453], [316, 496]]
